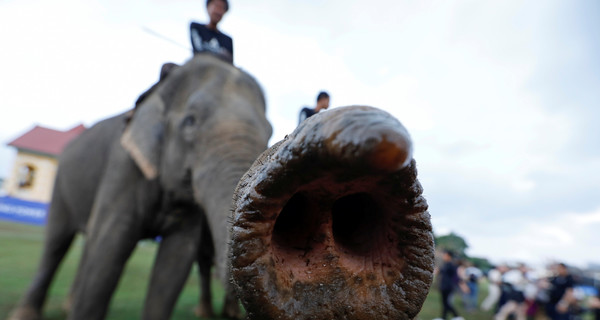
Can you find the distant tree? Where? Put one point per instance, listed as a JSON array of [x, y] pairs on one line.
[[482, 263], [458, 245], [452, 242]]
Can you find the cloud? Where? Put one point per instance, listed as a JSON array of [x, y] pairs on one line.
[[586, 219], [569, 236]]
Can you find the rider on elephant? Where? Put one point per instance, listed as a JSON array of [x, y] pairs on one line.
[[322, 104], [207, 37]]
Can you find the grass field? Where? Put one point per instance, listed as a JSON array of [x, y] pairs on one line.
[[20, 249]]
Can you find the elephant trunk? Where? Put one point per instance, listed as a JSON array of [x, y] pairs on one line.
[[214, 182], [330, 223]]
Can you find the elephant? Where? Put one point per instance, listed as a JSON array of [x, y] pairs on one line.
[[330, 223], [167, 169]]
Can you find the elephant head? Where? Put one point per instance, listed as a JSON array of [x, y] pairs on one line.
[[197, 133], [330, 223]]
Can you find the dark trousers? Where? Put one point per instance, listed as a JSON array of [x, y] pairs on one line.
[[555, 315], [447, 304]]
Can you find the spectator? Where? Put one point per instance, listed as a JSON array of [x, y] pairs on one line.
[[531, 292], [472, 275], [561, 294], [322, 104], [462, 281], [495, 280], [208, 38], [448, 281], [513, 286], [594, 304]]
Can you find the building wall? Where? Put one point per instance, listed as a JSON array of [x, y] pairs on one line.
[[32, 177]]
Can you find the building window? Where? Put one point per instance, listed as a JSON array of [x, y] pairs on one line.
[[26, 175]]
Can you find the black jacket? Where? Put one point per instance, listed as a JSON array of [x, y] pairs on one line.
[[204, 39]]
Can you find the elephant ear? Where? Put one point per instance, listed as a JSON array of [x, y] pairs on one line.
[[144, 134]]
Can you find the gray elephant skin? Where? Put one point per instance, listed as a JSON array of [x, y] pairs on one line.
[[330, 223], [169, 169]]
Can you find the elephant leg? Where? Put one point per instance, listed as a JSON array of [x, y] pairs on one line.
[[171, 269], [58, 238], [205, 262], [68, 303], [107, 249], [231, 305], [204, 308]]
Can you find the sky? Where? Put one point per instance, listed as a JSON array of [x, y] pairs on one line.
[[500, 97]]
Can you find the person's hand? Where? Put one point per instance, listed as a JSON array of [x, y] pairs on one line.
[[594, 303], [562, 306]]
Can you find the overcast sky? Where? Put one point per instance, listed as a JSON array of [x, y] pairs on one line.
[[501, 97]]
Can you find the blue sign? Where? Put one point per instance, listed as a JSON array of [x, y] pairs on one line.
[[18, 210]]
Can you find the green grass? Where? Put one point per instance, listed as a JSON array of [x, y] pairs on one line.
[[433, 306], [20, 249]]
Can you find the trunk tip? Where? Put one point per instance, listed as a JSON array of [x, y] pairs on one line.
[[390, 155]]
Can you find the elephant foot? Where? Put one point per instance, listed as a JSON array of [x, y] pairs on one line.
[[25, 313], [67, 305], [231, 309], [204, 310]]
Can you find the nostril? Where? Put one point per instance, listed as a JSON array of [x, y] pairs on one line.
[[292, 227], [357, 220]]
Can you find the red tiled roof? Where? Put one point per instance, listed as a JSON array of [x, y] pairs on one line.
[[44, 140]]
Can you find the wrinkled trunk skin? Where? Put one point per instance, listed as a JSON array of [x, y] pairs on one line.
[[330, 223]]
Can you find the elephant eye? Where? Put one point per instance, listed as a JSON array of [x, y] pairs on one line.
[[188, 128], [188, 121]]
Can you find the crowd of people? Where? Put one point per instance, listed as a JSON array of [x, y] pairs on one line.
[[514, 292]]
